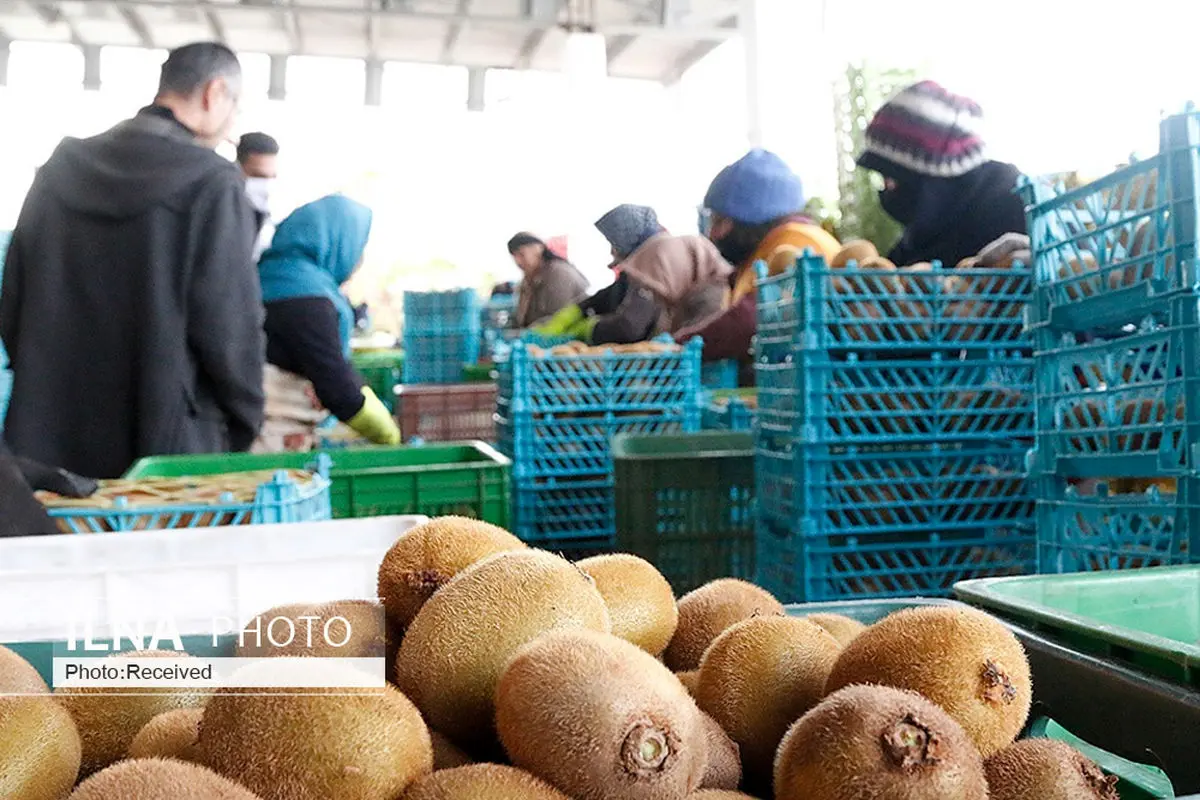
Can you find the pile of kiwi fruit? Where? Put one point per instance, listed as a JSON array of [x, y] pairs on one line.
[[515, 674]]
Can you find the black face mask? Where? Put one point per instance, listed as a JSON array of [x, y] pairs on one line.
[[902, 202], [734, 251]]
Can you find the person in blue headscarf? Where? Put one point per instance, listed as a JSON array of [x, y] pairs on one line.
[[309, 323]]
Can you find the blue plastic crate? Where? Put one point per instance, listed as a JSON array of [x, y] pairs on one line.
[[1088, 527], [812, 306], [719, 374], [434, 312], [574, 445], [728, 413], [936, 398], [6, 383], [535, 381], [279, 500], [1126, 406], [439, 357], [557, 512]]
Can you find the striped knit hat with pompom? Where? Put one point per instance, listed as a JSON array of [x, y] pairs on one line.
[[927, 130]]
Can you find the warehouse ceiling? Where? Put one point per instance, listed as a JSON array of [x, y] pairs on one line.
[[649, 39]]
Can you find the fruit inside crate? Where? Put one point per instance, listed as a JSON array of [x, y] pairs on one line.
[[457, 412]]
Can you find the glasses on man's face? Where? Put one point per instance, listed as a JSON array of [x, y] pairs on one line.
[[704, 221]]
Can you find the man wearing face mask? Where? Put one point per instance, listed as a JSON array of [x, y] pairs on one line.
[[256, 155], [131, 307], [938, 182]]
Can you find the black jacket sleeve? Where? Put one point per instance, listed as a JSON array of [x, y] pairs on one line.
[[632, 321], [607, 299], [225, 313], [303, 338]]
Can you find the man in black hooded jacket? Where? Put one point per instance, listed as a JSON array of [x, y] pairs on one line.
[[130, 308]]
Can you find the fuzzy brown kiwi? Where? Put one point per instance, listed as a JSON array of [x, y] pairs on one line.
[[759, 677], [159, 779], [719, 794], [689, 679], [446, 754], [320, 745], [857, 250], [1045, 769], [340, 629], [426, 557], [640, 602], [708, 611], [612, 722], [39, 749], [109, 719], [169, 735], [840, 627], [257, 638], [724, 757], [482, 782], [457, 647], [962, 659], [17, 676], [875, 741]]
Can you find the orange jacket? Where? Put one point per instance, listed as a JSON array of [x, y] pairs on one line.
[[780, 249]]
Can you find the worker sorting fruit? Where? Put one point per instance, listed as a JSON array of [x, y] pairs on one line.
[[309, 323], [664, 283], [938, 182], [753, 211], [549, 284]]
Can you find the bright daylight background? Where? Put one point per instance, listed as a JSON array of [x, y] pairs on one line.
[[1065, 85]]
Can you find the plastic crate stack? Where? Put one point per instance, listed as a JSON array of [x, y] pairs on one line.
[[557, 416], [441, 335], [1115, 323], [729, 410], [895, 410]]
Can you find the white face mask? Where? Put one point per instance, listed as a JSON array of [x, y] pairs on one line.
[[258, 190]]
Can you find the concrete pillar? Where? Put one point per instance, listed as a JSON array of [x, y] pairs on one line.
[[91, 67], [277, 88], [4, 53], [586, 117], [374, 95], [477, 88]]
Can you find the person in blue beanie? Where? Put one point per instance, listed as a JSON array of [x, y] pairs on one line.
[[309, 323], [663, 283], [753, 211]]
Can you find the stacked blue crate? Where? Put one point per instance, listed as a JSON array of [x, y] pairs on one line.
[[894, 412], [6, 376], [557, 416], [495, 322], [441, 335], [1114, 320]]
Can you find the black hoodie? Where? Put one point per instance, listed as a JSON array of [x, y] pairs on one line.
[[130, 308]]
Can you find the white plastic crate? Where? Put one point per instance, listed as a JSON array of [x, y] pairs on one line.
[[191, 577]]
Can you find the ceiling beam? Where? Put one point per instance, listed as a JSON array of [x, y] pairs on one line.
[[138, 25], [454, 33], [531, 47], [372, 30], [51, 14], [694, 55], [617, 46], [215, 26], [290, 20]]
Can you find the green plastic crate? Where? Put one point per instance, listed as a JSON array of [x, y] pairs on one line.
[[381, 369], [1145, 619], [479, 373], [469, 479], [685, 502], [1136, 781]]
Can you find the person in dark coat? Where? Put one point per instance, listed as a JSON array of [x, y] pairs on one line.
[[938, 181], [130, 306]]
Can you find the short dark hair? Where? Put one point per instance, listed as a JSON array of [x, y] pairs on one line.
[[189, 68], [256, 144]]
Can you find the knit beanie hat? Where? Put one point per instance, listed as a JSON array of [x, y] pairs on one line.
[[627, 227], [758, 188], [927, 130]]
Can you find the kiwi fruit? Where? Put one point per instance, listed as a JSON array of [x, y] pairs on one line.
[[446, 754], [255, 639], [600, 719], [159, 779], [962, 659], [360, 624], [706, 612], [169, 735], [841, 628], [879, 742], [364, 744], [759, 677], [724, 757], [857, 250], [39, 749], [718, 794], [640, 602], [483, 782], [1046, 769], [455, 650], [109, 719], [426, 557], [17, 676], [689, 679]]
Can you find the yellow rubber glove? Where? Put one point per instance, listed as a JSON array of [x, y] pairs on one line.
[[374, 422], [561, 322]]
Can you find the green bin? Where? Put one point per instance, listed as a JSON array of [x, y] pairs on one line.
[[685, 503], [381, 369], [468, 479]]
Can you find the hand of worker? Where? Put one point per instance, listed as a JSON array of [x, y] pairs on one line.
[[1006, 251], [560, 323], [374, 422], [583, 329]]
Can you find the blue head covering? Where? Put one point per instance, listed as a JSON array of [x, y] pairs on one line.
[[315, 250], [627, 227], [758, 188]]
